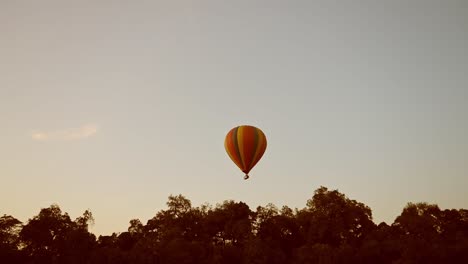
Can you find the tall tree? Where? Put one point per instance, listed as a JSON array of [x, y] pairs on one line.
[[52, 237], [10, 228], [336, 219]]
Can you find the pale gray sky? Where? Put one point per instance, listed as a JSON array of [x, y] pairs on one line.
[[114, 105]]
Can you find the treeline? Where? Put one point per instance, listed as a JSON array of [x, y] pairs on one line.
[[330, 229]]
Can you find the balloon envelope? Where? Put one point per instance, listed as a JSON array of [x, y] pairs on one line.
[[245, 146]]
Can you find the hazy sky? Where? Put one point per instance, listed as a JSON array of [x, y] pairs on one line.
[[114, 105]]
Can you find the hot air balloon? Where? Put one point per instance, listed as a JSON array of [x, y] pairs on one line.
[[245, 146]]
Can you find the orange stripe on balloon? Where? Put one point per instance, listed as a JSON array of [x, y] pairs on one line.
[[231, 148], [249, 146], [235, 147]]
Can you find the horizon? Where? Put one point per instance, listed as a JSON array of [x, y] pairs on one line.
[[218, 205]]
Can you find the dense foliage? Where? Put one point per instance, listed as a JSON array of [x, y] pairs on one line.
[[330, 229]]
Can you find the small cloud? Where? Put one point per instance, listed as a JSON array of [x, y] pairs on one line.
[[82, 132], [39, 136]]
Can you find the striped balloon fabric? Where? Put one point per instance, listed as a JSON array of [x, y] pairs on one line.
[[245, 146]]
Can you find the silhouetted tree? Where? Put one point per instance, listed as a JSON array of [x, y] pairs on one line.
[[332, 221], [10, 228], [136, 227], [382, 245], [430, 235], [178, 229], [52, 237], [277, 232], [330, 229]]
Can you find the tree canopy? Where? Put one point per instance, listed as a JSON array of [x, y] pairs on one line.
[[332, 228]]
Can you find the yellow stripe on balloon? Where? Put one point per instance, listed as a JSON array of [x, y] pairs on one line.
[[240, 140]]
